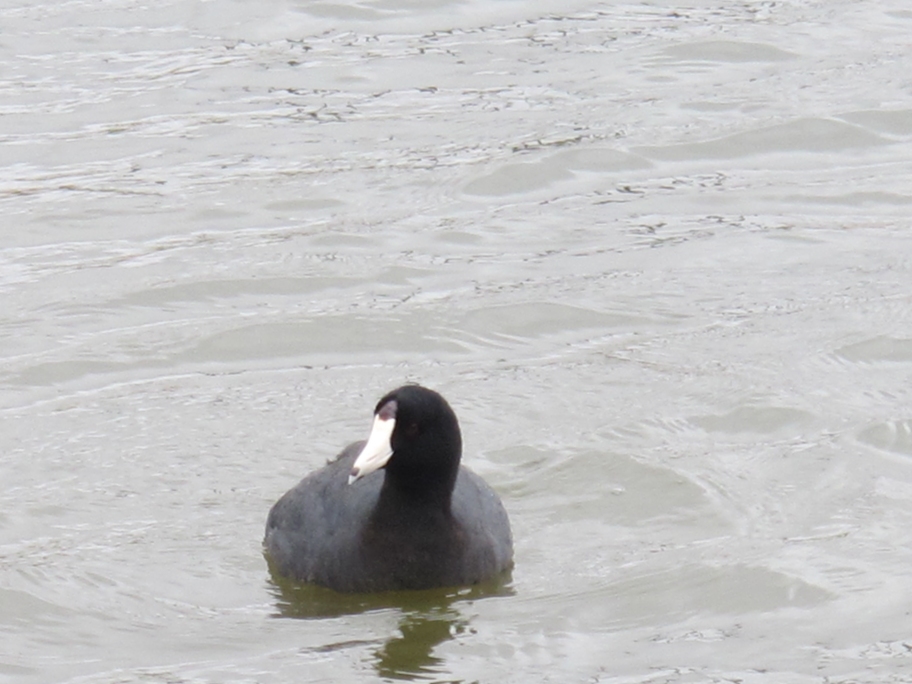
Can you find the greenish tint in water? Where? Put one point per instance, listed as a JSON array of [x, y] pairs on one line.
[[426, 619]]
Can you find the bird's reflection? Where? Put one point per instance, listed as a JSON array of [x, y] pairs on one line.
[[426, 620], [410, 655]]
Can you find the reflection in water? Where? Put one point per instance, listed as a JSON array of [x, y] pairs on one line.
[[409, 656], [427, 619]]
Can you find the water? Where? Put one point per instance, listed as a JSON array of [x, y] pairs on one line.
[[656, 256]]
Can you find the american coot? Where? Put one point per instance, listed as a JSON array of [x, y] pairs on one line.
[[423, 521]]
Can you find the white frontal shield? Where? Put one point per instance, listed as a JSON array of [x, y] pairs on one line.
[[377, 451]]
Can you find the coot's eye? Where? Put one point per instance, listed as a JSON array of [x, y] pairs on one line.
[[411, 430]]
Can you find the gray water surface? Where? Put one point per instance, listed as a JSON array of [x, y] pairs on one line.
[[657, 257]]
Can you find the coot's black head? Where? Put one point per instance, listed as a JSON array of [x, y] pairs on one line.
[[415, 438]]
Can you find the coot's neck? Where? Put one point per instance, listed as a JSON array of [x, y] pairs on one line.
[[422, 479], [427, 446]]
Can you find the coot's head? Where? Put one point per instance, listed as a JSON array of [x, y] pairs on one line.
[[415, 437]]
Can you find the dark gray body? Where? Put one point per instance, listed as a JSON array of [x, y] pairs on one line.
[[330, 533]]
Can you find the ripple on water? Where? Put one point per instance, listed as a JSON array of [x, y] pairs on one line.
[[756, 419], [893, 436], [337, 336], [535, 319], [891, 122], [602, 487], [728, 51], [877, 350], [534, 175], [733, 589], [800, 135], [211, 290], [20, 608], [661, 591]]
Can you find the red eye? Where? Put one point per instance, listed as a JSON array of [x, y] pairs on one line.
[[412, 430]]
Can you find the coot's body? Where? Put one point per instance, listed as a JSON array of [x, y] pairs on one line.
[[395, 512]]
